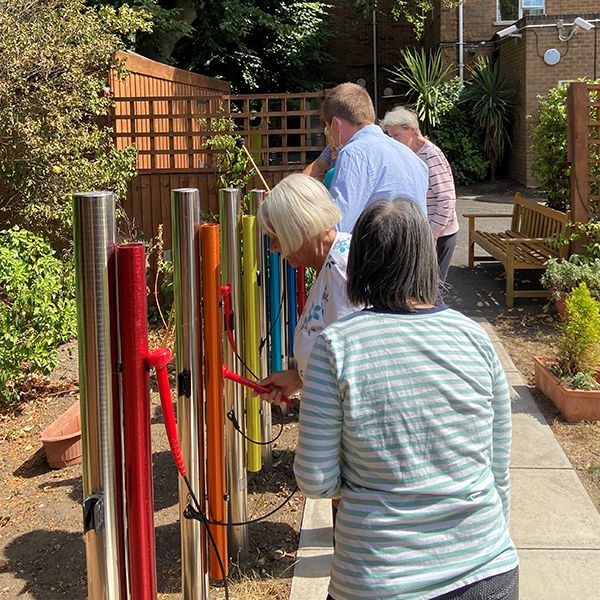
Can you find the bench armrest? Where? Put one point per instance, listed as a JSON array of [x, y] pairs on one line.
[[495, 215]]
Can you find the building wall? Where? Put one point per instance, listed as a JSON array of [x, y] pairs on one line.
[[522, 61], [351, 46]]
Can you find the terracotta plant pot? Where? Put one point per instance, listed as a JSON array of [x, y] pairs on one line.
[[62, 439], [574, 405], [561, 306]]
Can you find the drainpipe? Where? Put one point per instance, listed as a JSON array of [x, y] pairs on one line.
[[461, 44], [375, 81]]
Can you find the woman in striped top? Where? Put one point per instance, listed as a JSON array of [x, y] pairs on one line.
[[405, 416], [403, 125]]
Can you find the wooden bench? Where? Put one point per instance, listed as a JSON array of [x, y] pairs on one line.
[[524, 246]]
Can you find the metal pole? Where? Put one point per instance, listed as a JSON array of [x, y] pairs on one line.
[[133, 330], [375, 67], [461, 42], [94, 246], [185, 214], [256, 198], [229, 210]]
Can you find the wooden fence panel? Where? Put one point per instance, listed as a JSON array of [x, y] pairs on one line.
[[167, 114]]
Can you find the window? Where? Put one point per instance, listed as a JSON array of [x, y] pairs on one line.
[[512, 10]]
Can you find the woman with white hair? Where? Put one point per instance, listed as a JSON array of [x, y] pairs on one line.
[[300, 217], [402, 125]]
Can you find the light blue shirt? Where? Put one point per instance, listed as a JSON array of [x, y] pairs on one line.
[[372, 166]]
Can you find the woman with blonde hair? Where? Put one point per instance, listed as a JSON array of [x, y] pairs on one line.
[[300, 217]]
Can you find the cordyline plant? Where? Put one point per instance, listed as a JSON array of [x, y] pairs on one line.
[[491, 100], [424, 76]]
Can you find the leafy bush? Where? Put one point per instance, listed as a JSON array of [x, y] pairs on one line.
[[37, 308], [462, 147], [54, 138], [563, 275], [549, 136], [579, 341]]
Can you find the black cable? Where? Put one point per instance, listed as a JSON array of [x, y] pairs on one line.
[[204, 520], [264, 341], [231, 416], [191, 513]]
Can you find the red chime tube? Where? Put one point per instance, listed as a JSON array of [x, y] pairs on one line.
[[136, 421], [301, 276]]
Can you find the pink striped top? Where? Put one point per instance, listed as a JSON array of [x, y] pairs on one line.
[[441, 195]]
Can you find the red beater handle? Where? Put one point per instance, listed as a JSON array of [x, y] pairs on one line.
[[226, 293], [158, 360], [261, 389]]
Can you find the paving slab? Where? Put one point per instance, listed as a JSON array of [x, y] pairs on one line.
[[534, 445], [559, 575], [521, 399], [311, 572], [551, 509]]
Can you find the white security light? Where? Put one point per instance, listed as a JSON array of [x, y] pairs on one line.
[[507, 31], [583, 24]]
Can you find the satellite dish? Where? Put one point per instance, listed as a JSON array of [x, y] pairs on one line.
[[552, 56]]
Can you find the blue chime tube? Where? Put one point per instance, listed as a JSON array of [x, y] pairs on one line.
[[275, 310], [292, 308]]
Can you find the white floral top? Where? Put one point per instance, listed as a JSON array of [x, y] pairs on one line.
[[327, 301]]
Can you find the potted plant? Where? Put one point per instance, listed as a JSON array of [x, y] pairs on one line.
[[563, 275], [571, 380]]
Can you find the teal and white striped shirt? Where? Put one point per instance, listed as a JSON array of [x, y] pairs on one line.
[[407, 418]]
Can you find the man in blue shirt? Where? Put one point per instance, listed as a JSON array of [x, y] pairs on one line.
[[370, 165]]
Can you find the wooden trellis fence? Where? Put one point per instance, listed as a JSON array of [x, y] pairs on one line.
[[168, 114], [583, 137]]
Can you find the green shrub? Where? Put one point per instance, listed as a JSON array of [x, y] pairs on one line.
[[54, 138], [37, 308], [563, 275], [579, 340], [461, 144], [549, 136]]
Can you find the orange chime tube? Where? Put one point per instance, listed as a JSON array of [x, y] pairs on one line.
[[215, 417]]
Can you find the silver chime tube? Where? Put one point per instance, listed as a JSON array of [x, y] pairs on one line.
[[229, 213], [94, 247], [256, 199], [185, 217]]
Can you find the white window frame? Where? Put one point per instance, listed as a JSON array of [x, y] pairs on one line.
[[521, 8]]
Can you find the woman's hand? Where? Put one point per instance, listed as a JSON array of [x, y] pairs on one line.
[[284, 383]]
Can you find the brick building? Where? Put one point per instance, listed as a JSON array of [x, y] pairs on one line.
[[542, 25]]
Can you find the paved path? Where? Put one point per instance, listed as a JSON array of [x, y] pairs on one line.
[[554, 524]]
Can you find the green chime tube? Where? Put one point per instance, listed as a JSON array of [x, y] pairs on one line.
[[252, 341]]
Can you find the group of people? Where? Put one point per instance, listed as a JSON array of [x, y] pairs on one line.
[[405, 419]]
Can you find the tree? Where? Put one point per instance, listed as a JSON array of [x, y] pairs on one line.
[[54, 138], [271, 45]]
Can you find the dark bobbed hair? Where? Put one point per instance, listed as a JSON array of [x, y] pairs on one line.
[[392, 263]]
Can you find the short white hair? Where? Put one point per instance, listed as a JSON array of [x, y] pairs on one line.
[[298, 208], [400, 116]]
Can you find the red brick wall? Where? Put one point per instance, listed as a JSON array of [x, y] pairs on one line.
[[521, 59], [351, 45]]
